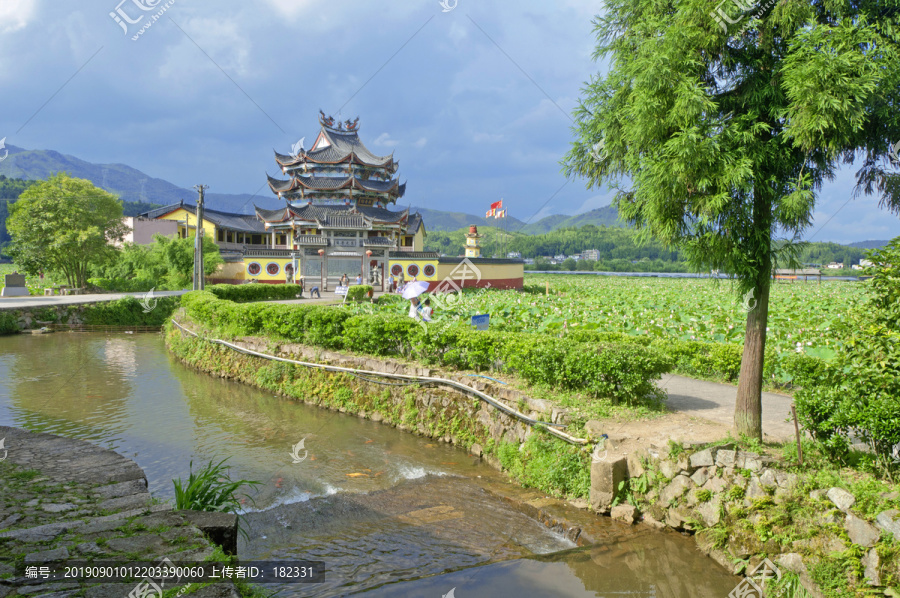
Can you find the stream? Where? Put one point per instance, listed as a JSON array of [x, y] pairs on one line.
[[388, 513]]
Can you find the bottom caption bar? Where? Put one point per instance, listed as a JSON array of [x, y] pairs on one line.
[[170, 573]]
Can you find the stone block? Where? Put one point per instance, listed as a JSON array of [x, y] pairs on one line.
[[715, 485], [668, 469], [635, 464], [768, 478], [676, 488], [626, 513], [841, 498], [791, 561], [860, 531], [710, 512], [725, 458], [700, 476], [872, 563], [680, 518], [889, 521], [754, 489], [476, 450], [221, 528], [703, 458], [606, 475]]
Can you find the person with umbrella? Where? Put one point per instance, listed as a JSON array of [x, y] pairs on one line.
[[412, 292]]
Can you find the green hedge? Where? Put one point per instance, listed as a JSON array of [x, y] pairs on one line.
[[616, 370], [242, 293], [128, 311], [359, 292]]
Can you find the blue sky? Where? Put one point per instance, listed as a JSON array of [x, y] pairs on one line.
[[474, 101]]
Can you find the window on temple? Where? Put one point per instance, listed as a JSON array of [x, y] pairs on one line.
[[407, 241], [229, 238], [220, 235]]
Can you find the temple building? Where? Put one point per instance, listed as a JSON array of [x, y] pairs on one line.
[[336, 219], [337, 200]]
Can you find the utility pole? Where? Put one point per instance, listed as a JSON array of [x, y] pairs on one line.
[[198, 241]]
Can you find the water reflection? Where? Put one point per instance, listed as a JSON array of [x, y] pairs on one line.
[[378, 504]]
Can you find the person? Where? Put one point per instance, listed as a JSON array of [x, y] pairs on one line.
[[359, 279], [414, 308], [427, 311], [390, 285], [300, 284], [344, 281], [314, 291]]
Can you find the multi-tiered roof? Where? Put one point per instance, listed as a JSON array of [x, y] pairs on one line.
[[338, 169]]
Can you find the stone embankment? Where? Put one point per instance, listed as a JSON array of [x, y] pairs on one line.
[[741, 506], [431, 411], [64, 500]]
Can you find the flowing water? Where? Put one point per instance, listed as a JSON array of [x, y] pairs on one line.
[[387, 512]]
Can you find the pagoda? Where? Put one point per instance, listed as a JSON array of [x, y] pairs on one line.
[[336, 211]]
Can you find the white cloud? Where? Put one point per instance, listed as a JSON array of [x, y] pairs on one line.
[[221, 39], [16, 14], [420, 143], [385, 140]]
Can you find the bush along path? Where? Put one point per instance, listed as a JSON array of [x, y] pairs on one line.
[[93, 505], [831, 531]]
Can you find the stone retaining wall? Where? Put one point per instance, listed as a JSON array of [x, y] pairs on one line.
[[36, 317], [728, 497], [430, 411]]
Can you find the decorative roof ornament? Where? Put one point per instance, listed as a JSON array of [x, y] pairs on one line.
[[345, 126], [326, 120]]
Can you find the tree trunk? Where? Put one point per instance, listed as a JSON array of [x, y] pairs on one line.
[[748, 407]]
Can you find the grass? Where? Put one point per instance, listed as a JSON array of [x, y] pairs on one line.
[[210, 489]]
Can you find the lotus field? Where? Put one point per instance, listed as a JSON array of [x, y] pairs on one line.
[[801, 315]]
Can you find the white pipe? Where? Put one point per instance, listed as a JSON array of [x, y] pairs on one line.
[[452, 383]]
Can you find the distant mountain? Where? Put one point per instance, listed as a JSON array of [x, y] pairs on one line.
[[605, 216], [438, 220], [132, 185], [128, 183], [869, 244]]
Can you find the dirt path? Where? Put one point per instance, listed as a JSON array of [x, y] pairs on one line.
[[715, 402]]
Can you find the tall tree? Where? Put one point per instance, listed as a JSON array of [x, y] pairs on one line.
[[717, 127], [64, 225]]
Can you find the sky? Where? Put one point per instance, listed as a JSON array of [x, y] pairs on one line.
[[473, 98]]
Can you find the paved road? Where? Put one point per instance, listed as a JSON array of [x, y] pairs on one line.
[[44, 301], [715, 402]]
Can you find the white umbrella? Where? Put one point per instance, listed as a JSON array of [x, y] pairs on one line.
[[414, 289]]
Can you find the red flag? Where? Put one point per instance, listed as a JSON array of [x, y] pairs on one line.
[[497, 205]]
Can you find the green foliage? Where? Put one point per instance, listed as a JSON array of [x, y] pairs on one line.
[[359, 292], [166, 264], [129, 311], [618, 371], [64, 225], [548, 464], [379, 334], [856, 393], [716, 142], [210, 489], [243, 293], [8, 323]]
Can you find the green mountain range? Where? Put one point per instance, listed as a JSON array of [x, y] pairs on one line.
[[133, 185]]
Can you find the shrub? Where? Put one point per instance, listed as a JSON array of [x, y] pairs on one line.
[[620, 371], [8, 323], [242, 293], [129, 311], [380, 334], [359, 292]]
